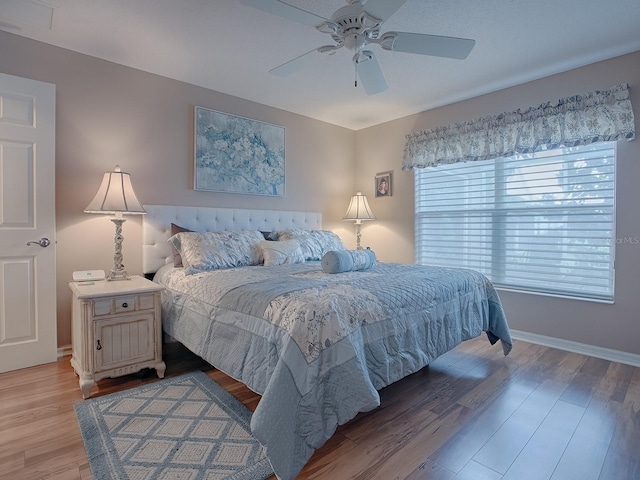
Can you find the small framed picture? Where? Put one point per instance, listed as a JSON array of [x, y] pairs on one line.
[[383, 184]]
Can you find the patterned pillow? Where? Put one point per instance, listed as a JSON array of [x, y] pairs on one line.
[[314, 243], [281, 252], [214, 250]]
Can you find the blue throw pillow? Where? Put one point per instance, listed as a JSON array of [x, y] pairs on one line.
[[339, 261]]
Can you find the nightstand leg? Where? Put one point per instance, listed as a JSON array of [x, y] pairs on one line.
[[160, 368], [85, 386]]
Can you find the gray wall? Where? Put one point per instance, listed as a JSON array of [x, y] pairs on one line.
[[108, 114], [614, 326]]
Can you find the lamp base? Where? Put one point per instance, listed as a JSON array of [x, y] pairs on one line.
[[118, 275], [118, 272], [358, 235]]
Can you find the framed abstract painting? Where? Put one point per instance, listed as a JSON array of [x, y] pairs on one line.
[[238, 155]]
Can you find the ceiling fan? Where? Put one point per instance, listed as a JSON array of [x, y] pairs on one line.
[[357, 25]]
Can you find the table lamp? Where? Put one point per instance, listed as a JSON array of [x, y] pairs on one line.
[[359, 211], [116, 197]]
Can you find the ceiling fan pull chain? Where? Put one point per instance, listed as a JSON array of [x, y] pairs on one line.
[[355, 74]]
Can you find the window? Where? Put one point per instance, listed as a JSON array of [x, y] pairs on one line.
[[541, 222]]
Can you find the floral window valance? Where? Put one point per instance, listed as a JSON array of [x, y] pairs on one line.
[[578, 120]]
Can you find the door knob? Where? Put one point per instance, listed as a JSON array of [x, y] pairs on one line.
[[43, 242]]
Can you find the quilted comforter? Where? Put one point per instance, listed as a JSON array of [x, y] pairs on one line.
[[317, 346]]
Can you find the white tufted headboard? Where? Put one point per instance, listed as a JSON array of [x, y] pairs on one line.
[[156, 226]]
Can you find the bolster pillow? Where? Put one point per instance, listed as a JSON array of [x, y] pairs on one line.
[[339, 261]]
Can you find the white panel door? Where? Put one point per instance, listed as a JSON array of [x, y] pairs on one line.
[[27, 214]]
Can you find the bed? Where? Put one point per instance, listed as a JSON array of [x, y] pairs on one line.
[[316, 346]]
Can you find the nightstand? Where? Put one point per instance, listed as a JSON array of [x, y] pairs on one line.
[[116, 329]]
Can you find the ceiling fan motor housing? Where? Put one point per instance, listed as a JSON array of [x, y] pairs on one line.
[[352, 25]]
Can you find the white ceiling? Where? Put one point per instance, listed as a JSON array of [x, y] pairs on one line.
[[229, 47]]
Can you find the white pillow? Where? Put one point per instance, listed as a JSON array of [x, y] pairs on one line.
[[213, 250], [314, 243], [281, 253]]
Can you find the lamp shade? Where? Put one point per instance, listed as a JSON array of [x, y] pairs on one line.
[[115, 195], [359, 209]]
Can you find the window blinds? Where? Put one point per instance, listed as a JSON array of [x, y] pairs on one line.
[[542, 222]]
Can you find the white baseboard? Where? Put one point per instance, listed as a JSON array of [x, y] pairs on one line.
[[575, 347], [64, 351]]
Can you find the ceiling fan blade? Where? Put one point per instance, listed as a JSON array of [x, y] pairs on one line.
[[284, 10], [295, 65], [298, 63], [383, 9], [424, 44], [369, 72]]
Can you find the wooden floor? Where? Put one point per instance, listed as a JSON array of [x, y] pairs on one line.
[[473, 414]]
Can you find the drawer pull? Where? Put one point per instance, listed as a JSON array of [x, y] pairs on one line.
[[99, 347], [125, 305]]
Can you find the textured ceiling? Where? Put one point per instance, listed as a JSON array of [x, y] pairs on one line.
[[226, 46]]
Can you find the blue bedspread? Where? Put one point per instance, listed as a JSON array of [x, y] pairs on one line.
[[317, 346]]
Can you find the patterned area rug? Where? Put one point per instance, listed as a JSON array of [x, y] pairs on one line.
[[186, 428]]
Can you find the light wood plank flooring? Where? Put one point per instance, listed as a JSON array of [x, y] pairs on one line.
[[473, 414]]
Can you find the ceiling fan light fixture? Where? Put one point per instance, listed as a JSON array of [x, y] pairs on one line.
[[355, 41]]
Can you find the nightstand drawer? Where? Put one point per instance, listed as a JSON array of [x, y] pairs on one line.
[[125, 304], [146, 302], [102, 307], [128, 303]]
